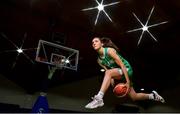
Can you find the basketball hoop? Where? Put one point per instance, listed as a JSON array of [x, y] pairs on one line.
[[57, 55]]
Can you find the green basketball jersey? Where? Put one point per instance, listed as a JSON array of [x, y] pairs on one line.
[[109, 62]]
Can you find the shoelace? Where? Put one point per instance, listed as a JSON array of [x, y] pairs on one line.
[[94, 98]]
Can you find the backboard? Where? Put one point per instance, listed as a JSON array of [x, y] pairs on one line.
[[57, 55]]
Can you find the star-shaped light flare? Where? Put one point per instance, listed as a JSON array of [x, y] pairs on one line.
[[100, 8], [146, 27], [18, 49]]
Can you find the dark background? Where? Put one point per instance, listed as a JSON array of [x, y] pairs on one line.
[[155, 64]]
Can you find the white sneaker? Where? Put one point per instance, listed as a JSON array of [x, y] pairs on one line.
[[157, 97], [96, 102]]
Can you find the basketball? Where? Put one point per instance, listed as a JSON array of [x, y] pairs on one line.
[[120, 90]]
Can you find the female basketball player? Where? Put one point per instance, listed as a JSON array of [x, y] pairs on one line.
[[116, 67]]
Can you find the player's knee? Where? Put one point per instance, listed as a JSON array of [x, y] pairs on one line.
[[133, 97], [108, 73]]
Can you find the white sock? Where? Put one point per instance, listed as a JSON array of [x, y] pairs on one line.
[[151, 96], [100, 94]]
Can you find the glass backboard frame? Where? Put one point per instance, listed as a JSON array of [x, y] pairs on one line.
[[64, 52]]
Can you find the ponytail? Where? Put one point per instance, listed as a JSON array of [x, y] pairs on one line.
[[108, 43]]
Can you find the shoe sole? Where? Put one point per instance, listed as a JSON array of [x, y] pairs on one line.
[[161, 98], [95, 107]]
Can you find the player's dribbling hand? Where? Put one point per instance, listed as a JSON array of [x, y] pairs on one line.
[[128, 87]]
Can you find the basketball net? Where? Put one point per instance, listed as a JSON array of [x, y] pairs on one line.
[[51, 72], [58, 65]]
